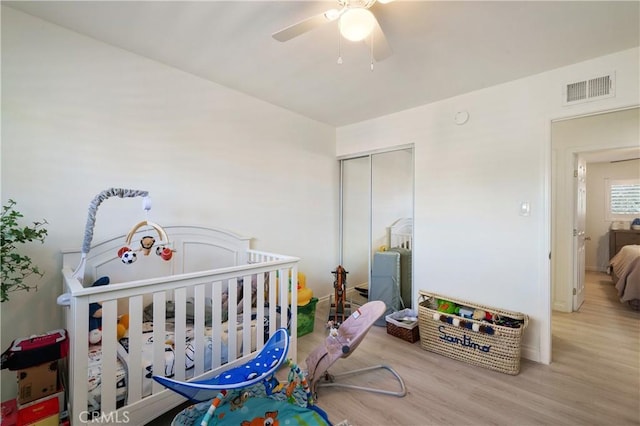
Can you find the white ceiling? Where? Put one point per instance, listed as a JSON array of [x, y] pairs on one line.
[[441, 48]]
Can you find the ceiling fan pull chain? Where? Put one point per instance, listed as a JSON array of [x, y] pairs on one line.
[[339, 46], [372, 51]]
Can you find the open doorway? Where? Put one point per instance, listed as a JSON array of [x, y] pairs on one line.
[[601, 138]]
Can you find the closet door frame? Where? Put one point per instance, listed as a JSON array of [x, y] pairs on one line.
[[369, 155]]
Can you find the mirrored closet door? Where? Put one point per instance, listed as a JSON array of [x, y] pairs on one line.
[[377, 216]]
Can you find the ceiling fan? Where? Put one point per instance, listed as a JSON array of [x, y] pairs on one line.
[[355, 21]]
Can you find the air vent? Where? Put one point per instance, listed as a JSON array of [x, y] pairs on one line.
[[589, 89]]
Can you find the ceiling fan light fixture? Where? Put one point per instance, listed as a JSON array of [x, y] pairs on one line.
[[356, 24], [332, 14]]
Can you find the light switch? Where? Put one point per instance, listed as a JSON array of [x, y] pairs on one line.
[[525, 208]]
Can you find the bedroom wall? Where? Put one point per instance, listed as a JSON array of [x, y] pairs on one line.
[[79, 116], [470, 240], [597, 226]]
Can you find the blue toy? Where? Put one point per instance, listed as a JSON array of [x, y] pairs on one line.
[[260, 368]]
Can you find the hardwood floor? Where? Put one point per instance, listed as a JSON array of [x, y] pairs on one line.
[[594, 378]]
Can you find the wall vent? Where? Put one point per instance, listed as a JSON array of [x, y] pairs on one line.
[[589, 89]]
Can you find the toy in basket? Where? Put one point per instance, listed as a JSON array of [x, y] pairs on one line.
[[250, 393], [479, 335]]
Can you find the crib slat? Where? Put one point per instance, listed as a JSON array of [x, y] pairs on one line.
[[198, 330], [109, 352], [159, 334], [260, 312], [180, 301], [283, 299], [232, 324], [247, 293], [293, 327], [273, 297], [134, 375], [216, 323]]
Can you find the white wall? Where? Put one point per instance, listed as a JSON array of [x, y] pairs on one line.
[[597, 226], [79, 116], [470, 241]]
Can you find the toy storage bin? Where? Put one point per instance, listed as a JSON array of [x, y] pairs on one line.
[[492, 346], [306, 317]]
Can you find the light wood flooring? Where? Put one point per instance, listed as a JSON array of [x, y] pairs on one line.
[[594, 378]]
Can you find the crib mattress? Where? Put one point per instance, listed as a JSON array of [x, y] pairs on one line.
[[385, 283]]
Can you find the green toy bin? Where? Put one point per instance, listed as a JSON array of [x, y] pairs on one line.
[[306, 317]]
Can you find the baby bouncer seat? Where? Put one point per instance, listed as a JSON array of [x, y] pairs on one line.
[[249, 393], [341, 343], [250, 389]]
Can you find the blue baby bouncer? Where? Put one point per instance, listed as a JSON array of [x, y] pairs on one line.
[[250, 392]]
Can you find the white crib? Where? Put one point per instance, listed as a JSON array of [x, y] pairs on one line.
[[207, 263], [400, 234]]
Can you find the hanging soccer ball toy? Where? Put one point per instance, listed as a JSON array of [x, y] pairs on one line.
[[147, 242], [129, 257]]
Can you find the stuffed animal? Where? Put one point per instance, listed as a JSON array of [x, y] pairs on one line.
[[95, 315], [447, 307], [123, 326], [480, 315]]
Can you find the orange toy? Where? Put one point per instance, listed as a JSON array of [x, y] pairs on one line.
[[123, 326]]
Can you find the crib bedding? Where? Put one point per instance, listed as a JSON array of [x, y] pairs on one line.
[[95, 357]]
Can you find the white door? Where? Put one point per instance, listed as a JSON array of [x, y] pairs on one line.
[[580, 175]]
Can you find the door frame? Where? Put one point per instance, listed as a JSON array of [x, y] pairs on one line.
[[561, 223]]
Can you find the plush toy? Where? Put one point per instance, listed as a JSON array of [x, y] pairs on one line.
[[123, 326], [480, 315], [95, 315], [447, 307]]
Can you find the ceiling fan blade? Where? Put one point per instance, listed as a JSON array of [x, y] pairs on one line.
[[302, 27], [381, 48]]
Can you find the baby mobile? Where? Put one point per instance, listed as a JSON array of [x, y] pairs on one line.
[[163, 249], [127, 254]]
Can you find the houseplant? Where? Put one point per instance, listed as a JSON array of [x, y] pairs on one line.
[[16, 267]]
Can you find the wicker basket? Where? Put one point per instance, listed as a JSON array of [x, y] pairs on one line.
[[492, 346], [408, 332]]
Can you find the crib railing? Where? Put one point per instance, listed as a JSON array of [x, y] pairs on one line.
[[401, 241], [267, 268]]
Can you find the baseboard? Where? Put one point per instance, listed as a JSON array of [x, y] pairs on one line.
[[530, 353]]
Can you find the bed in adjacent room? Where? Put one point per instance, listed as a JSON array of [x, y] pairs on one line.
[[624, 268]]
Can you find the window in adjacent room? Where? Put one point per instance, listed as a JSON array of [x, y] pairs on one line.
[[622, 199]]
